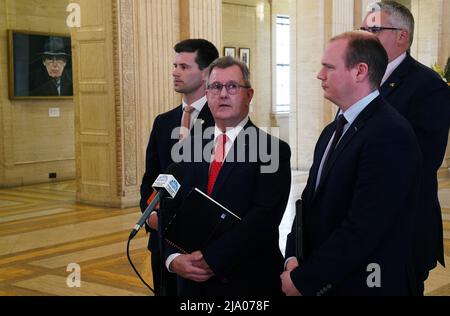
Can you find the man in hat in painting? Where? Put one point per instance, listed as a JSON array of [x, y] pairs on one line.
[[58, 82]]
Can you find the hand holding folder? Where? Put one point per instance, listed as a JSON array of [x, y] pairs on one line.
[[199, 221]]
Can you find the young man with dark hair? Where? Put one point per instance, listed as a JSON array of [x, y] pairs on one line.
[[189, 78]]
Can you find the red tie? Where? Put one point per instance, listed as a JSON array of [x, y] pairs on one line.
[[216, 165]]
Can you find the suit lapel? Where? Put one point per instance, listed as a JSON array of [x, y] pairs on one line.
[[203, 121], [230, 162], [203, 168], [176, 120], [356, 127], [206, 116], [321, 147], [395, 80]]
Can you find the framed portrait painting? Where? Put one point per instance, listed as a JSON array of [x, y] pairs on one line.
[[244, 56], [39, 65]]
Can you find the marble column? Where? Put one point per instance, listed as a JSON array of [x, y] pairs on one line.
[[311, 27], [432, 41], [123, 54], [201, 19]]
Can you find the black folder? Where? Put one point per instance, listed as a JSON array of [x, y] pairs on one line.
[[299, 230], [199, 221]]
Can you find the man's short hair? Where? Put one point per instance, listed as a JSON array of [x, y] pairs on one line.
[[399, 16], [206, 51], [365, 48], [228, 61]]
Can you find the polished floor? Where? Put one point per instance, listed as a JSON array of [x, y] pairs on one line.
[[44, 232]]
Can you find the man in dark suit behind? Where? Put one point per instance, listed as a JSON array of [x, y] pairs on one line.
[[250, 175], [358, 203], [192, 58], [423, 98]]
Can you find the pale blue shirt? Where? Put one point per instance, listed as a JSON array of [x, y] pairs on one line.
[[350, 115]]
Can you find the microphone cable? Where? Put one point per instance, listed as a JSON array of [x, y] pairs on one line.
[[134, 268]]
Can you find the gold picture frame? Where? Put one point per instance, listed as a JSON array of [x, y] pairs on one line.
[[229, 51], [244, 56]]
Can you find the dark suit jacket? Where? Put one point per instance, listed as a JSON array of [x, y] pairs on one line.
[[362, 210], [48, 87], [423, 98], [248, 257], [158, 154]]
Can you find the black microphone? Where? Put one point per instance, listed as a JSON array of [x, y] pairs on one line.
[[165, 184]]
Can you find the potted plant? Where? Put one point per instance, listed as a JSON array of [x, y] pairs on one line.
[[447, 71], [444, 73]]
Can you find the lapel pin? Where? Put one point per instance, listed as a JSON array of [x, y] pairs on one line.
[[392, 85]]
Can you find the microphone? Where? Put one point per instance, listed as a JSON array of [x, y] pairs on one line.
[[165, 184]]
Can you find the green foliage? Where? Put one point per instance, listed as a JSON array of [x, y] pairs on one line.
[[444, 73], [447, 70]]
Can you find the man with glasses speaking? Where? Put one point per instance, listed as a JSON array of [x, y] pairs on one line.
[[57, 80], [420, 95], [248, 172]]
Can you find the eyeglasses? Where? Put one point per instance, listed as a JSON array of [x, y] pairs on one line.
[[232, 87], [377, 29], [57, 60]]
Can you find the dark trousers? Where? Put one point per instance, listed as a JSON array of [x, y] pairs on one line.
[[168, 286]]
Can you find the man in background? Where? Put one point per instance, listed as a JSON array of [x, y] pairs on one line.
[[423, 98], [192, 58]]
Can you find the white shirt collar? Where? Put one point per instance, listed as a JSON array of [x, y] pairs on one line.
[[232, 132], [198, 105], [392, 66]]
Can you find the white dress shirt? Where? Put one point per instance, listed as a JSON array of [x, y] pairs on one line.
[[392, 66]]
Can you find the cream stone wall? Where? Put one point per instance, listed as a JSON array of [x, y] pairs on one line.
[[155, 64], [444, 51], [247, 24], [428, 15], [201, 19], [3, 88], [31, 144], [343, 16], [311, 27], [280, 121], [432, 33], [431, 42], [124, 57]]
